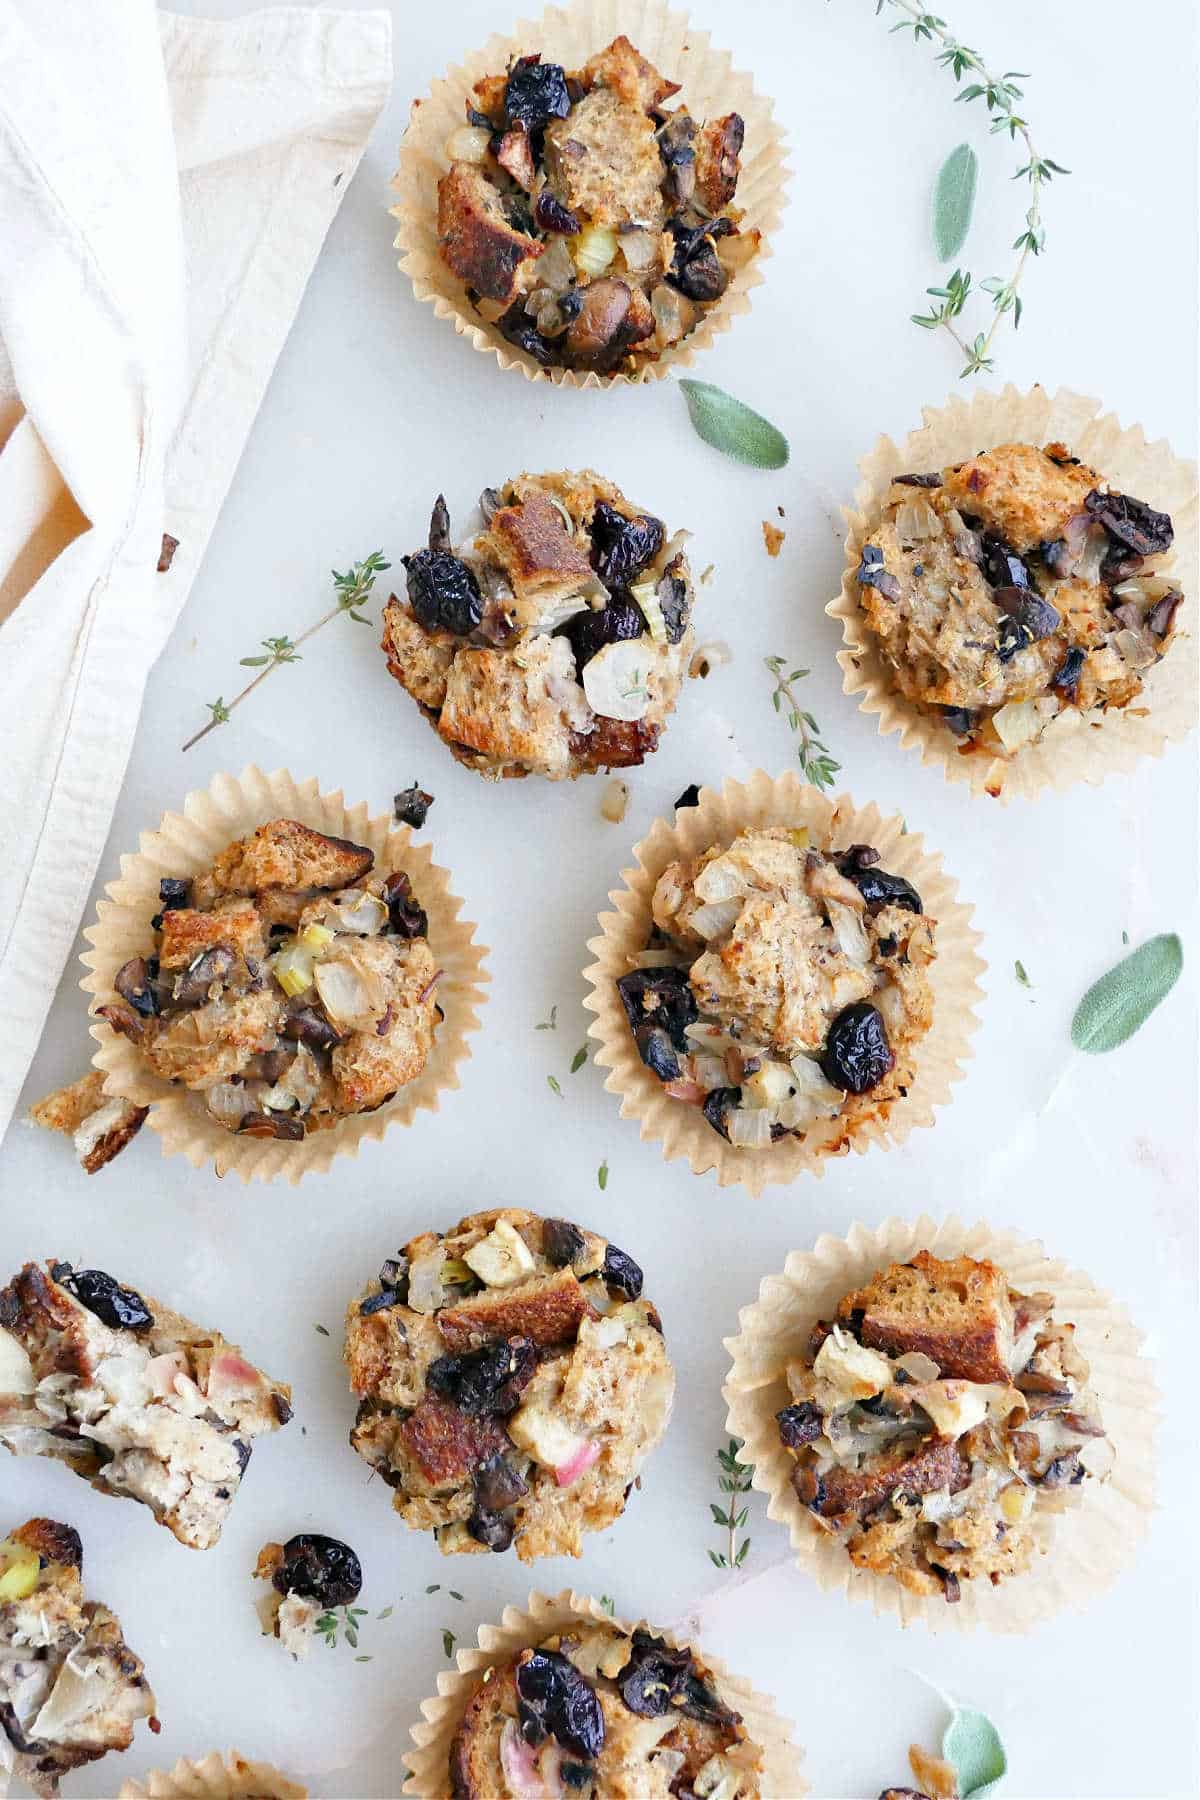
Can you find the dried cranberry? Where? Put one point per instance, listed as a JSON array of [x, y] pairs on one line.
[[695, 266], [556, 1699], [799, 1425], [622, 546], [498, 1485], [412, 806], [1002, 566], [562, 1242], [1132, 522], [549, 214], [535, 93], [121, 1308], [487, 1380], [405, 917], [590, 631], [443, 592], [657, 1052], [1066, 676], [173, 894], [719, 1105], [621, 1272], [877, 887], [319, 1568], [515, 325], [659, 997], [857, 1054]]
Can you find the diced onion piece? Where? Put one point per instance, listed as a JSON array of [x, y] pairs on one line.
[[848, 930], [916, 521], [16, 1370], [749, 1128], [316, 938], [639, 247], [643, 592], [811, 1083], [1021, 721], [615, 801], [358, 911], [468, 144], [555, 270], [917, 1366], [616, 682], [1098, 1457], [425, 1290], [344, 993], [769, 1086], [655, 959], [292, 968], [594, 249], [558, 614], [709, 657], [714, 920], [709, 1071], [721, 879]]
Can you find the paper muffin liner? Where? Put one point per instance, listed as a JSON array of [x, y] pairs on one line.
[[429, 1762], [682, 1130], [571, 35], [186, 843], [214, 1777], [1072, 748], [1086, 1545]]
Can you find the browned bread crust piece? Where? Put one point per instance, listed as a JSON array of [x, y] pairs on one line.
[[959, 1312]]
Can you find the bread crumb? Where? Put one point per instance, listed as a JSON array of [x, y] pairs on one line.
[[772, 538]]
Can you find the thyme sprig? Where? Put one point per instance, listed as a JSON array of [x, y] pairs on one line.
[[328, 1624], [816, 762], [735, 1480], [353, 590], [1001, 94]]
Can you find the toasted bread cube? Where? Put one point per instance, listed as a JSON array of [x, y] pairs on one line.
[[418, 659], [624, 69], [187, 934], [101, 1128], [284, 853], [537, 551], [477, 240], [549, 1312], [718, 161], [958, 1311]]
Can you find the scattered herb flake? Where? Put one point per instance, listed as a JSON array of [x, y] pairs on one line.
[[1022, 977], [454, 1593], [578, 1060], [550, 1024], [448, 1641], [602, 1176], [609, 1604], [321, 1329], [434, 1587], [386, 1613], [552, 1084]]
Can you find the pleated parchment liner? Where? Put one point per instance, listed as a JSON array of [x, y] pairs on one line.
[[682, 1130], [571, 35], [187, 842], [1086, 1545], [543, 1617], [214, 1777], [1073, 748]]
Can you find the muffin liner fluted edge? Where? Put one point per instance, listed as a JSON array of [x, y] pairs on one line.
[[1085, 1547], [571, 35], [542, 1617], [682, 1130], [187, 842], [214, 1777], [1074, 747]]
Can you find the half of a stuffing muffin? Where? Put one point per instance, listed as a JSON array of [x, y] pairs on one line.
[[135, 1398], [590, 224], [1014, 586], [597, 1711], [511, 1381], [936, 1418], [552, 641], [293, 983], [783, 984], [71, 1689]]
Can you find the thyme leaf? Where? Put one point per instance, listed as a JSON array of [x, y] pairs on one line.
[[817, 764], [735, 1479]]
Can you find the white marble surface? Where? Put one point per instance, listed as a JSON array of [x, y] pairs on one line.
[[376, 404]]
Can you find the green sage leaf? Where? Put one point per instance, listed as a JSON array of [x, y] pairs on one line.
[[733, 428], [1121, 1001], [954, 201], [972, 1743]]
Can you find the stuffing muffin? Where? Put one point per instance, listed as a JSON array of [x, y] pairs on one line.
[[590, 224], [511, 1382], [937, 1420], [71, 1689], [783, 984], [293, 983], [1016, 586], [555, 639], [309, 1576], [135, 1398], [99, 1128], [604, 1715]]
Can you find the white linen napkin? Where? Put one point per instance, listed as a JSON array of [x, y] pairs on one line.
[[166, 185]]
